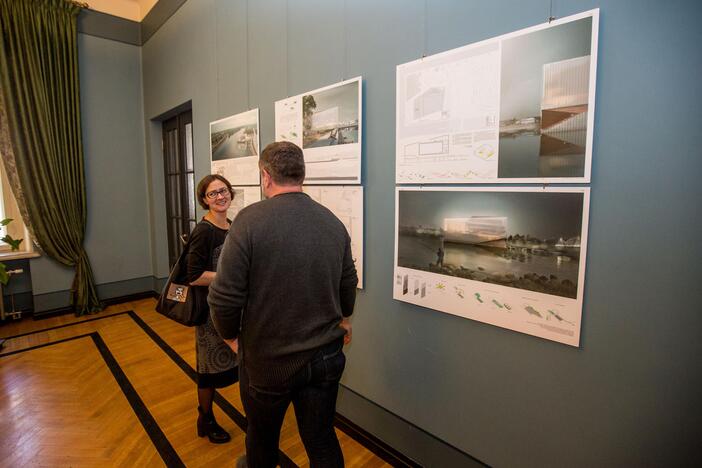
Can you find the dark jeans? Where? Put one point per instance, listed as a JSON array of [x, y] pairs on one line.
[[312, 392]]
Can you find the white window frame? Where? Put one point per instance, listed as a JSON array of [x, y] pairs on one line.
[[17, 229]]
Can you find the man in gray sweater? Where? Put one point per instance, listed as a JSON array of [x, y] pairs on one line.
[[285, 287]]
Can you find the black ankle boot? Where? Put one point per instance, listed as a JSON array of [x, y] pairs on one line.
[[207, 426]]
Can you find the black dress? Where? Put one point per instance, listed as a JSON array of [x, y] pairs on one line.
[[216, 362]]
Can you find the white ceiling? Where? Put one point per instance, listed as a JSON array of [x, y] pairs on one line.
[[134, 10]]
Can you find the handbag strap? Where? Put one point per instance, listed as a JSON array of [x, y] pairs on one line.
[[212, 240], [186, 249]]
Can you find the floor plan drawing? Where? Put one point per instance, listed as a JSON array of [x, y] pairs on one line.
[[346, 202], [243, 197], [516, 108], [447, 108]]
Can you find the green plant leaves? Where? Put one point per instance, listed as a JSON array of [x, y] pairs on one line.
[[14, 243]]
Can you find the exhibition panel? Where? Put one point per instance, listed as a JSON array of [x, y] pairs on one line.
[[326, 124], [346, 202], [515, 108], [234, 148], [511, 257]]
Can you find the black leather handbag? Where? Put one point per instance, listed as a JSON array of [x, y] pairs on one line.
[[179, 301]]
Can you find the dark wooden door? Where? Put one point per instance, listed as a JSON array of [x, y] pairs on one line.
[[180, 181]]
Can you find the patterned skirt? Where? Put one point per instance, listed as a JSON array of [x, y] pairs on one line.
[[216, 362]]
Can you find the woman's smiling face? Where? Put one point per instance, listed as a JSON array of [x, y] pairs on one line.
[[217, 196]]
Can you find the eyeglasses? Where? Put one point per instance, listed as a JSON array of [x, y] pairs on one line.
[[223, 191]]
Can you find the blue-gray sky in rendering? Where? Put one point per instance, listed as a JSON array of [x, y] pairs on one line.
[[544, 215], [345, 97], [523, 58]]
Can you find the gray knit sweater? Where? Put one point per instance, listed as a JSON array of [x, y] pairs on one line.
[[285, 279]]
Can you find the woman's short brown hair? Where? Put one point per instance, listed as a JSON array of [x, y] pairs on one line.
[[205, 182]]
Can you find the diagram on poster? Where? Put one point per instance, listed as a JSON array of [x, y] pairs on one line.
[[326, 124], [514, 258], [243, 197], [234, 148], [347, 204], [515, 108]]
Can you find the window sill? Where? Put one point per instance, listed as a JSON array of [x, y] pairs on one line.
[[7, 256]]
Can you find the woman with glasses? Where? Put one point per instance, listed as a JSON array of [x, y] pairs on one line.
[[216, 362]]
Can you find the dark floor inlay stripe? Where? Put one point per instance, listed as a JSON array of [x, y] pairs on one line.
[[238, 418], [51, 343], [64, 325], [371, 443], [158, 438]]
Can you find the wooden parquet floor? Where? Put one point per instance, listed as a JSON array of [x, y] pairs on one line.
[[117, 389]]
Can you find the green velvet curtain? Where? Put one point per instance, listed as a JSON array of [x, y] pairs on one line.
[[40, 90]]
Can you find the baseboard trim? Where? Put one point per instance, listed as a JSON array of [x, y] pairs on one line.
[[105, 302], [417, 446], [131, 297], [372, 443], [51, 304]]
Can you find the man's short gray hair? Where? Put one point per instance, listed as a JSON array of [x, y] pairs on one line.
[[284, 162]]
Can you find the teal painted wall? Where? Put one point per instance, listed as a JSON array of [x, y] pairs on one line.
[[117, 236], [629, 395]]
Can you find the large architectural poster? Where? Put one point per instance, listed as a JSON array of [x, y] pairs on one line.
[[234, 148], [326, 124], [511, 257], [516, 108], [243, 197], [347, 204]]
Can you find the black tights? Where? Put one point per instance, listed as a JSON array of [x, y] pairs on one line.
[[204, 399]]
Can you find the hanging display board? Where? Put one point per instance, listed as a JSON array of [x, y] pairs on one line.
[[515, 108], [243, 197], [326, 124], [347, 204], [510, 257], [234, 148]]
